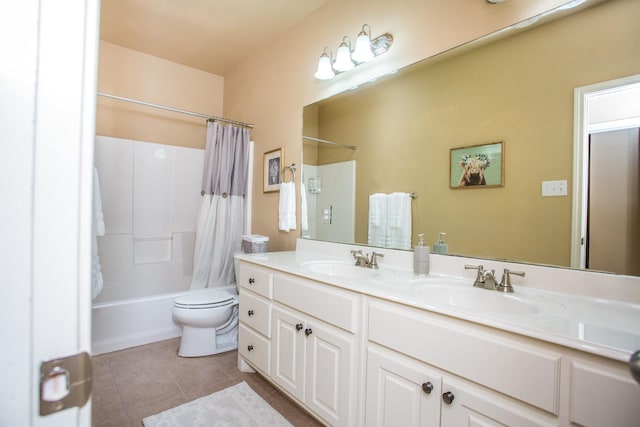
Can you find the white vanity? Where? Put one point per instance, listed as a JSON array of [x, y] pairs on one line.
[[384, 347]]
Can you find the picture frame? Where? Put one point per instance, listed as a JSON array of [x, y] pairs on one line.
[[272, 170], [477, 166]]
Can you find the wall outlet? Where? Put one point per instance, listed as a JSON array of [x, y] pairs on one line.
[[554, 188]]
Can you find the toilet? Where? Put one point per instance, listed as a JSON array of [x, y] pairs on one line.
[[209, 320]]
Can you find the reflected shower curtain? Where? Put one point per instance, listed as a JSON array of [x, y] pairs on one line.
[[221, 216]]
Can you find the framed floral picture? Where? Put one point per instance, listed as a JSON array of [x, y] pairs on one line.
[[272, 170], [477, 166]]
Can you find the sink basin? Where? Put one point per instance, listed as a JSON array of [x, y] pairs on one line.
[[479, 300], [345, 270]]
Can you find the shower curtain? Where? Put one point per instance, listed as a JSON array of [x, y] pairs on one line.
[[221, 216]]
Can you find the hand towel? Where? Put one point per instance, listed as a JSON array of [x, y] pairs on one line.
[[287, 207], [398, 232], [304, 217], [98, 215], [377, 219], [97, 282]]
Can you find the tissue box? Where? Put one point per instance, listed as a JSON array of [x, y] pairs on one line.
[[254, 243]]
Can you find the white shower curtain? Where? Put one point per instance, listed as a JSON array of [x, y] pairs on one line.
[[221, 216]]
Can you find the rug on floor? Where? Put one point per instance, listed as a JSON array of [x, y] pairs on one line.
[[237, 405]]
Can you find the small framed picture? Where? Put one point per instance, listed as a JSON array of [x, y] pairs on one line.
[[272, 170], [477, 166]]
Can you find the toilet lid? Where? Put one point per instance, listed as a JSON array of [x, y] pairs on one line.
[[204, 299]]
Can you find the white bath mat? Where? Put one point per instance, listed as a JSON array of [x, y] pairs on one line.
[[238, 405]]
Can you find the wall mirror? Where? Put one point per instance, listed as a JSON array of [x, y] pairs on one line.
[[396, 135]]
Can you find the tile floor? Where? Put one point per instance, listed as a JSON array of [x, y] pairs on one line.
[[132, 384]]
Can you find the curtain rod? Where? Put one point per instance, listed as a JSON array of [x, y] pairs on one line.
[[353, 147], [176, 110]]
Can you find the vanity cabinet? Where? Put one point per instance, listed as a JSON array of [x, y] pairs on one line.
[[255, 289], [313, 359]]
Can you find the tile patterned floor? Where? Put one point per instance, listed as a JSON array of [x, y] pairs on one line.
[[132, 384]]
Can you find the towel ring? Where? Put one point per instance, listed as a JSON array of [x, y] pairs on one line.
[[292, 167]]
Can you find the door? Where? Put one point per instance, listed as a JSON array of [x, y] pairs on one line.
[[288, 348], [47, 116], [330, 373], [400, 391], [613, 221]]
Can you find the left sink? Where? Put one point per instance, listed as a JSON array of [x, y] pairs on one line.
[[339, 269]]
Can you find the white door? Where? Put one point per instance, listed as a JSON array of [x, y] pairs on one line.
[[400, 391], [288, 346], [47, 116]]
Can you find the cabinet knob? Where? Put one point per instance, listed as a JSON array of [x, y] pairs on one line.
[[448, 397], [299, 327], [250, 312], [308, 331], [252, 281], [427, 387], [249, 347]]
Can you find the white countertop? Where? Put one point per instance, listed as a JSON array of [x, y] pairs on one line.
[[599, 326]]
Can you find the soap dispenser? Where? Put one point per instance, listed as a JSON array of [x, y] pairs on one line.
[[421, 257], [440, 247]]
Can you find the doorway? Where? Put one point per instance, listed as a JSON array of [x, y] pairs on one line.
[[606, 223]]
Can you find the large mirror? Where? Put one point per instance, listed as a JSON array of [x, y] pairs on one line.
[[517, 90]]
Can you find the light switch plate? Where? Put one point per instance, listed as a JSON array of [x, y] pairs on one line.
[[554, 188]]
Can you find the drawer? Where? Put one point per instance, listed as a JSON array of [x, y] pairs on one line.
[[602, 395], [255, 312], [256, 279], [333, 305], [502, 363], [255, 349]]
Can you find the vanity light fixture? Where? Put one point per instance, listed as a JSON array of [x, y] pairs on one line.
[[325, 70], [365, 50]]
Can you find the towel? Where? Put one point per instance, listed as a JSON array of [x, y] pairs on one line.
[[398, 232], [287, 207], [97, 282], [304, 217], [377, 219]]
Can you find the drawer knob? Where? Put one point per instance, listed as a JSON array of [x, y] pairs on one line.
[[308, 331], [252, 281], [448, 397], [299, 327], [427, 387], [249, 347], [250, 312]]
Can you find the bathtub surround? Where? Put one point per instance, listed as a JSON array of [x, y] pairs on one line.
[[222, 207], [150, 195]]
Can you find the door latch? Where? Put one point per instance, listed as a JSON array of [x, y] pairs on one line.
[[65, 383]]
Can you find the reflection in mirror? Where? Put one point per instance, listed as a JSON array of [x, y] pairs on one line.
[[518, 90]]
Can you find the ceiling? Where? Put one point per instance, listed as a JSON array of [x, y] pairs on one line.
[[210, 35]]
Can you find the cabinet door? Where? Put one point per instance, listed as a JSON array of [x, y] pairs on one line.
[[471, 405], [287, 361], [400, 391], [330, 373]]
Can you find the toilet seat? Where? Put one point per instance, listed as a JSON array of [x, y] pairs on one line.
[[211, 298]]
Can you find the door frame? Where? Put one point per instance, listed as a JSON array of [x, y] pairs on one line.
[[581, 131]]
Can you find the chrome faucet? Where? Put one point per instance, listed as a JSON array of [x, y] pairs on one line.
[[490, 280], [363, 260], [479, 282]]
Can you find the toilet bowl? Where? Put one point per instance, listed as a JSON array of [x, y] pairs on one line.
[[209, 320]]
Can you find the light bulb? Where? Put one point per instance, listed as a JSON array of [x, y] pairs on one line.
[[325, 71], [343, 58], [362, 52]]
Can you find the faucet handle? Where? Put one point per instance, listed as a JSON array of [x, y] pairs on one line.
[[479, 282], [356, 253], [374, 263], [505, 283]]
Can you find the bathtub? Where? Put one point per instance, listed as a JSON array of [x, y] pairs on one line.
[[128, 323]]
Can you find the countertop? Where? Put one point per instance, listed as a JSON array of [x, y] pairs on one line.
[[603, 327]]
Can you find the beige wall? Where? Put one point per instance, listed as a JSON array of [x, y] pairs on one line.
[[271, 87], [518, 90], [131, 74]]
